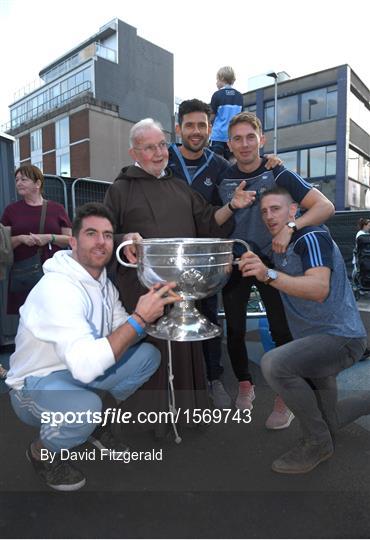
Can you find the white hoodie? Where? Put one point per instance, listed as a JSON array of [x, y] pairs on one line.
[[64, 322]]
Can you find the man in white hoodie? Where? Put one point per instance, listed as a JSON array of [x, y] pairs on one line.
[[74, 339]]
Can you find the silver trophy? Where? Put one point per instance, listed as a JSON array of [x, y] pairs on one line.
[[199, 266]]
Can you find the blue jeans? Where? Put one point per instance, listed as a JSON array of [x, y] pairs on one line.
[[303, 372], [59, 392]]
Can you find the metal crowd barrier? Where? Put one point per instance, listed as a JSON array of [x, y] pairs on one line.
[[85, 190], [55, 189]]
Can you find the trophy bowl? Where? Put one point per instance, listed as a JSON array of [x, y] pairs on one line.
[[199, 266]]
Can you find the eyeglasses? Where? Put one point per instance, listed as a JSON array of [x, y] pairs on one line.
[[151, 148]]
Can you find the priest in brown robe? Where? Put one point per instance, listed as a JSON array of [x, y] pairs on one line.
[[148, 201]]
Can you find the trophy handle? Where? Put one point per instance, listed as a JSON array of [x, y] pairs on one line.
[[127, 243], [245, 244]]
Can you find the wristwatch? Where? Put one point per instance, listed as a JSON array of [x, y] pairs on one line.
[[271, 275], [292, 225]]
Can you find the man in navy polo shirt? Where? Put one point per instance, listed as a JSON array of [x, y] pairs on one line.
[[225, 103], [245, 141], [328, 334]]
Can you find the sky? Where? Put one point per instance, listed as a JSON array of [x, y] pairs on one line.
[[295, 36]]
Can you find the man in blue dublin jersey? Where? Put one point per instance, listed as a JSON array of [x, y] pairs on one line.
[[203, 170], [245, 141], [328, 334]]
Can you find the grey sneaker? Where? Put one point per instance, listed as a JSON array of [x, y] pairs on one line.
[[59, 475], [245, 396], [281, 417], [221, 399], [303, 458]]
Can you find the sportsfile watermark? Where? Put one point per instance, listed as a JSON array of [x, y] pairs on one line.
[[117, 416]]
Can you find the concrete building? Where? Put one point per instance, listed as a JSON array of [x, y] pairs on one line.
[[77, 122], [323, 131]]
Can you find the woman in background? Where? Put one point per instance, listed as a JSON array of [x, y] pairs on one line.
[[24, 217]]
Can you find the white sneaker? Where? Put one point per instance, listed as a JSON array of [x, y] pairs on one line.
[[245, 396], [221, 399], [281, 417]]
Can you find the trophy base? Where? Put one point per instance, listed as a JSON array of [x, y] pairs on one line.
[[183, 323]]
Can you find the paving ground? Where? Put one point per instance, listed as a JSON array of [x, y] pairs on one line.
[[216, 484]]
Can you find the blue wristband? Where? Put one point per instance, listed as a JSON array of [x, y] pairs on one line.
[[136, 326]]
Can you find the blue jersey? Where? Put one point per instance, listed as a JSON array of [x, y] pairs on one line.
[[225, 103], [313, 247], [203, 174], [248, 221]]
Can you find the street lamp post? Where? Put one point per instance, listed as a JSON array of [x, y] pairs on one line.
[[278, 77]]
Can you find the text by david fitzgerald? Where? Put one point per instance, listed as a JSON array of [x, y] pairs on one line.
[[102, 455]]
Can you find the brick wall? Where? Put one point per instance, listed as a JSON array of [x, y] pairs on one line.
[[80, 159], [48, 137], [25, 147], [49, 164], [79, 126]]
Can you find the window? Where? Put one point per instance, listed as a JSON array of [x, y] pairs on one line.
[[331, 103], [37, 164], [316, 104], [359, 113], [36, 140], [62, 133], [318, 162], [269, 115], [63, 164], [290, 160], [287, 112], [319, 103], [358, 167], [354, 194], [16, 153], [251, 108]]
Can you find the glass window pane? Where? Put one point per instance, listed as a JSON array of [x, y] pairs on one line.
[[79, 78], [332, 98], [87, 74], [63, 86], [62, 132], [289, 160], [316, 162], [71, 82], [365, 171], [36, 140], [353, 164], [269, 115], [63, 165], [331, 161], [304, 164], [314, 105], [354, 194], [38, 164], [359, 113], [287, 111]]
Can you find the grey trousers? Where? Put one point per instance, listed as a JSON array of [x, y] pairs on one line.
[[303, 372]]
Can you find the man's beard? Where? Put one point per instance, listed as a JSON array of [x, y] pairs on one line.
[[203, 144]]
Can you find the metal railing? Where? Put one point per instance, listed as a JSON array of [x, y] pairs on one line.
[[85, 190], [55, 189]]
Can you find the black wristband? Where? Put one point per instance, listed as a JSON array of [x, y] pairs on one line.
[[231, 208], [140, 317]]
